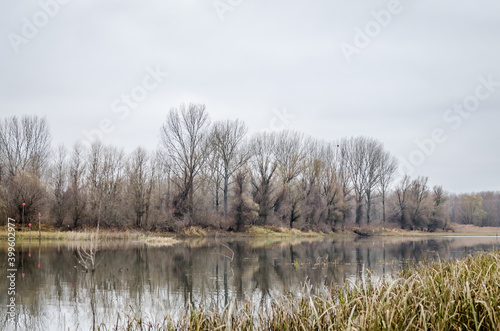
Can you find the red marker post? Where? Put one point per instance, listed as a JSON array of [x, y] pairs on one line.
[[29, 225]]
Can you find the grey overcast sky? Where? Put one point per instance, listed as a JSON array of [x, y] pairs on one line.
[[384, 69]]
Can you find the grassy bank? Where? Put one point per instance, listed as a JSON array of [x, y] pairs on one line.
[[350, 231], [458, 295], [49, 234], [455, 230], [52, 234], [270, 232], [250, 231]]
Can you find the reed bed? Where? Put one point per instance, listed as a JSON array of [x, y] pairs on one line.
[[454, 295], [250, 231], [76, 235], [50, 234], [161, 241]]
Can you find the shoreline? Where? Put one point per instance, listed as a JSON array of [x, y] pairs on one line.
[[52, 234]]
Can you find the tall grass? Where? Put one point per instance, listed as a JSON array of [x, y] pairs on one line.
[[76, 235], [456, 295], [50, 234]]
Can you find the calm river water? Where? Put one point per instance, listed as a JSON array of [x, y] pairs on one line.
[[53, 292]]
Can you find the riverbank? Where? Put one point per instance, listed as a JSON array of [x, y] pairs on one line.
[[53, 234], [48, 234], [454, 230], [454, 295]]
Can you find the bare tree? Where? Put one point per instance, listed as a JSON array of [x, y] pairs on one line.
[[388, 167], [344, 179], [290, 158], [104, 175], [331, 187], [212, 174], [244, 209], [438, 218], [290, 154], [402, 194], [418, 207], [226, 138], [419, 193], [163, 180], [373, 157], [263, 166], [354, 152], [77, 184], [294, 196], [140, 175], [94, 179], [363, 159], [184, 138], [24, 144], [112, 184], [27, 195], [59, 184], [311, 205]]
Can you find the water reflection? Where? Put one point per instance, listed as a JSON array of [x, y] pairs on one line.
[[57, 293]]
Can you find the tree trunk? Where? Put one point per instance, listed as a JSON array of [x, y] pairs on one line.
[[217, 197], [226, 184], [368, 207], [190, 197], [359, 210], [383, 207]]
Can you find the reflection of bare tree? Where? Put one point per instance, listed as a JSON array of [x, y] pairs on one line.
[[262, 274], [183, 271], [86, 256], [87, 259], [230, 258], [239, 252]]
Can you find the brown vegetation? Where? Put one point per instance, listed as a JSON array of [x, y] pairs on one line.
[[210, 176]]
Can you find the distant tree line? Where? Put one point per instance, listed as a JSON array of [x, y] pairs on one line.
[[214, 175], [481, 209]]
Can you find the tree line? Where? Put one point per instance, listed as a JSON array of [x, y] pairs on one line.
[[215, 175]]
